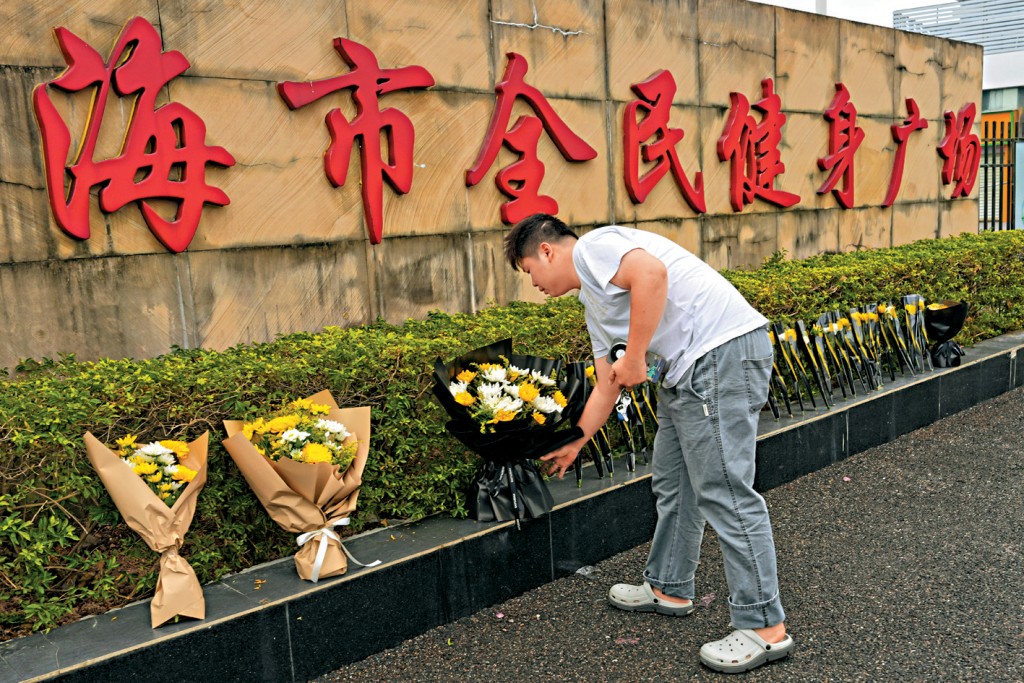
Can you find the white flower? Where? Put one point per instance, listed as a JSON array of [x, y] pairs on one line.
[[513, 405], [546, 404], [495, 374], [489, 393], [294, 436], [152, 450], [334, 428], [166, 458], [170, 470], [457, 388], [542, 379], [518, 371]]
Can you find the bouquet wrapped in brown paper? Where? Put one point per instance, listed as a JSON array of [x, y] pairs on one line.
[[306, 467], [143, 482]]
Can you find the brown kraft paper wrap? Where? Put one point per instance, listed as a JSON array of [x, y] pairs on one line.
[[308, 499], [178, 593]]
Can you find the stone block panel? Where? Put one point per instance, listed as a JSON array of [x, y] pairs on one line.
[[27, 38], [865, 228], [806, 60], [961, 76], [255, 294], [866, 66], [449, 38], [666, 199], [580, 188], [649, 35], [562, 41], [415, 275], [21, 154], [916, 221], [737, 49], [803, 234], [686, 232], [918, 74], [958, 216], [279, 192], [804, 141], [111, 307], [740, 241], [266, 41]]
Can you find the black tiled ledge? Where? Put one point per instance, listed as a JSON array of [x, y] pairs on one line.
[[265, 624]]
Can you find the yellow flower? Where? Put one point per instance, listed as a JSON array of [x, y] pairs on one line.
[[539, 418], [184, 473], [250, 428], [316, 452], [319, 409], [466, 376], [155, 477], [463, 398], [771, 336], [144, 468], [791, 335], [180, 448], [881, 308], [559, 399], [166, 487], [127, 441], [528, 392], [282, 424], [484, 367], [164, 495], [590, 371], [504, 416]]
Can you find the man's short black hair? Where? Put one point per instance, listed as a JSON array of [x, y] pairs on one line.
[[526, 236]]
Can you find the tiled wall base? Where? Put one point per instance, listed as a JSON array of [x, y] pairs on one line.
[[265, 624]]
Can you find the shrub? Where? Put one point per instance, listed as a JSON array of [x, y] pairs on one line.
[[64, 552]]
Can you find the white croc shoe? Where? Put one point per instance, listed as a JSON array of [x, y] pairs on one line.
[[741, 651], [642, 599]]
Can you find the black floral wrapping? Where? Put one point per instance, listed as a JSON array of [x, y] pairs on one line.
[[507, 485]]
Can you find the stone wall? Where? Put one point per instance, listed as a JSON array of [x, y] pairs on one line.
[[291, 251]]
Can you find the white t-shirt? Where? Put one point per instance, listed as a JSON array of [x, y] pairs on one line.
[[703, 310]]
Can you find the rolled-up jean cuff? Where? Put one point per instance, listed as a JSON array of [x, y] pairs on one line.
[[673, 589], [758, 614]]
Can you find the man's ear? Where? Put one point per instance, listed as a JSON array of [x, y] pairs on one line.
[[545, 250]]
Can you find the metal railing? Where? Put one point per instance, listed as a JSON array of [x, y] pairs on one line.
[[997, 175]]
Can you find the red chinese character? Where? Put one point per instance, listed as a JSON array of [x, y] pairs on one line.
[[900, 135], [521, 180], [752, 149], [844, 137], [961, 150], [163, 154], [655, 102], [367, 81]]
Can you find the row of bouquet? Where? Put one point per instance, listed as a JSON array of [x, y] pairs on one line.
[[304, 463]]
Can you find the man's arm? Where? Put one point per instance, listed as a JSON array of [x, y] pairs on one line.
[[646, 279], [595, 415]]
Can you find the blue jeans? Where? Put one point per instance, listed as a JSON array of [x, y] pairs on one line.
[[703, 469]]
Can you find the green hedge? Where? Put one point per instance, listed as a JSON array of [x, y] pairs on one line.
[[64, 552]]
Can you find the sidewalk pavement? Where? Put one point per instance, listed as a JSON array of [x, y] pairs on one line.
[[902, 563]]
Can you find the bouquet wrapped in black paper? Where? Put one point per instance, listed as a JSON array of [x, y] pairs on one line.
[[509, 409]]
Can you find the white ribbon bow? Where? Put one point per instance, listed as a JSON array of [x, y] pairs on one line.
[[326, 534]]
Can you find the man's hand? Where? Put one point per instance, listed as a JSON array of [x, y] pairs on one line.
[[628, 371], [562, 459]]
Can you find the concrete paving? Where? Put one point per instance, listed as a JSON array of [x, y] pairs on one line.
[[902, 563]]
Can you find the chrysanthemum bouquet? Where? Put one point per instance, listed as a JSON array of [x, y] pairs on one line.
[[305, 464], [509, 409], [159, 465], [501, 392], [155, 486], [303, 432]]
